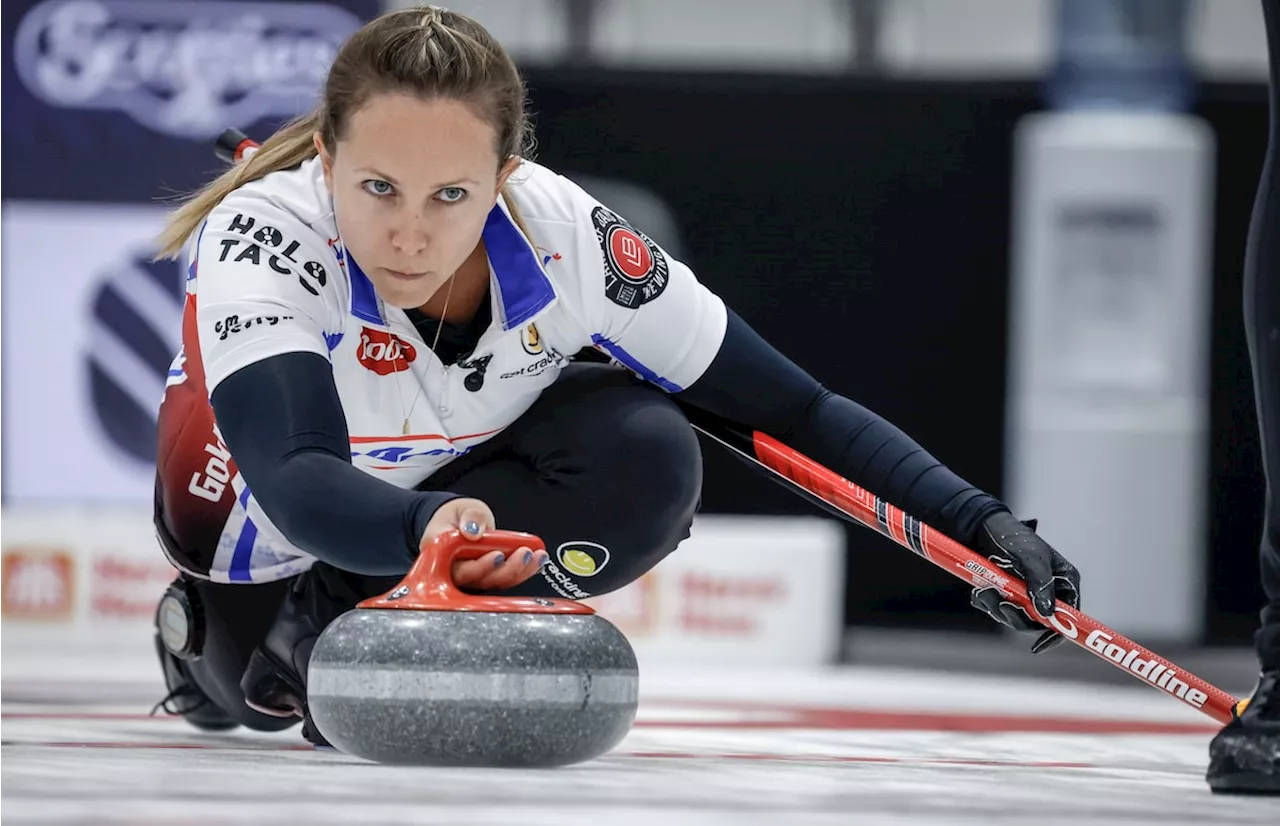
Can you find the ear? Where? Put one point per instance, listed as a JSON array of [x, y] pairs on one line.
[[326, 160]]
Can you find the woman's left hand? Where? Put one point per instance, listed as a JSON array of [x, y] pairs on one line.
[[1014, 547]]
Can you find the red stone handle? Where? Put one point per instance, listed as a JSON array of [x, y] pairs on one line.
[[429, 584]]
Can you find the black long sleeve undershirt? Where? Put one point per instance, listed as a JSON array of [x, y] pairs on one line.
[[283, 422], [751, 383]]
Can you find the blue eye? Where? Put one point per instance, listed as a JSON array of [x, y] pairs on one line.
[[452, 194], [377, 187]]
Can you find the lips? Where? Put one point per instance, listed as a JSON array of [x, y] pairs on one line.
[[403, 276]]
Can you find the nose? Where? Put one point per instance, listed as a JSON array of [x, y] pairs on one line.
[[408, 233]]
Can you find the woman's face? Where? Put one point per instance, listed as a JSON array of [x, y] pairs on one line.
[[412, 182]]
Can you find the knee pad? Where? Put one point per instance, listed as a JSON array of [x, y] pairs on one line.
[[180, 620]]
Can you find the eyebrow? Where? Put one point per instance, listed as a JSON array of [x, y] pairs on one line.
[[394, 182]]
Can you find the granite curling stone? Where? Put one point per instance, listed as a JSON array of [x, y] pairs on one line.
[[428, 675]]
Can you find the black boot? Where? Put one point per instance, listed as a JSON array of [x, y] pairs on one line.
[[1244, 758], [185, 697], [275, 681]]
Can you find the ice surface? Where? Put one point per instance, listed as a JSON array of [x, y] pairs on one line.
[[846, 746]]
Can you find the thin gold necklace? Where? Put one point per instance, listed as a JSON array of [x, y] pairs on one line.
[[404, 428]]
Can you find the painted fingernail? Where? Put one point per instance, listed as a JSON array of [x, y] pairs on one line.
[[471, 527], [528, 557], [543, 558], [497, 562]]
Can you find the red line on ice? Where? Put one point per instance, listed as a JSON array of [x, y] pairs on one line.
[[648, 755], [763, 716]]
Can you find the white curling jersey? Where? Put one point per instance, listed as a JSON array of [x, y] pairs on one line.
[[270, 275]]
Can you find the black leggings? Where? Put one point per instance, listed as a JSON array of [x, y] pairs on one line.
[[601, 465], [604, 468], [1262, 327]]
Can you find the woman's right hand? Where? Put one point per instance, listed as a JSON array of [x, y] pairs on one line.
[[494, 571]]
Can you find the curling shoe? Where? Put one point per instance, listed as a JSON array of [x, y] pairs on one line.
[[185, 698], [275, 680], [1244, 758]]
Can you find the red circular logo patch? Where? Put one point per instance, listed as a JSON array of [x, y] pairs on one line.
[[630, 253]]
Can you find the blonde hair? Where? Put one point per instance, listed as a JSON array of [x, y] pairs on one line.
[[426, 52]]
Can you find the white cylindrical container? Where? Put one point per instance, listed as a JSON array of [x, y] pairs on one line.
[[1107, 417]]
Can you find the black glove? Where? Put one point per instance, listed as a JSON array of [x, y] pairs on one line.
[[1014, 547]]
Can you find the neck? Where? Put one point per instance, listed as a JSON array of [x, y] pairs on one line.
[[470, 285]]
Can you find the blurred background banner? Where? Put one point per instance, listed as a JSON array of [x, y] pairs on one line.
[[84, 398], [119, 100], [845, 173], [111, 107]]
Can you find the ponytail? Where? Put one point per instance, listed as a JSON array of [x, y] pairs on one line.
[[287, 148], [516, 215]]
